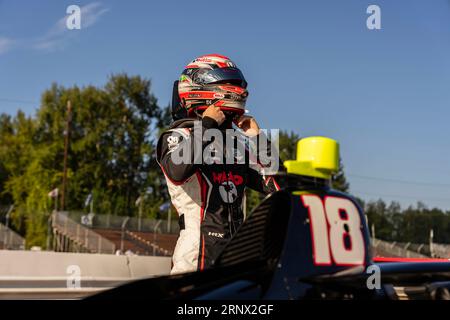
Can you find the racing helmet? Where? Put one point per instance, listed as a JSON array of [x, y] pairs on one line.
[[210, 79]]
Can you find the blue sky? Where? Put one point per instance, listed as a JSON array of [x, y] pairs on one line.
[[313, 67]]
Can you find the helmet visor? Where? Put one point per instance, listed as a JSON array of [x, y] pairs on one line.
[[220, 75]]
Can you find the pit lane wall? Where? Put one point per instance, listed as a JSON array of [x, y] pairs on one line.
[[61, 275]]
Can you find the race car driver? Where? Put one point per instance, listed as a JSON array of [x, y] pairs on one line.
[[208, 196]]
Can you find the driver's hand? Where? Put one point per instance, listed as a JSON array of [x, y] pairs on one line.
[[248, 125], [215, 113]]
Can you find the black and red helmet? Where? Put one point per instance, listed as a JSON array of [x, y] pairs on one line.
[[211, 80]]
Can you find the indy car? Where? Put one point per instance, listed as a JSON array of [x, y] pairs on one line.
[[306, 241]]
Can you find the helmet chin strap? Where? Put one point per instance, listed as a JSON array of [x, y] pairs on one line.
[[198, 114]]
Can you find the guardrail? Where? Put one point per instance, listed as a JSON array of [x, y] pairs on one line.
[[10, 240], [108, 221], [436, 250], [441, 250], [80, 235], [395, 250]]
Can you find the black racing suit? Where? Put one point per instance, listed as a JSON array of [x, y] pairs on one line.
[[208, 197]]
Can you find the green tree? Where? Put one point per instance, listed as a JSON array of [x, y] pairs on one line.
[[288, 145], [339, 181], [112, 137], [413, 224], [6, 133]]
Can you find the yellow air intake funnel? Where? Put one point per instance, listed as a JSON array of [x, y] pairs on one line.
[[316, 157]]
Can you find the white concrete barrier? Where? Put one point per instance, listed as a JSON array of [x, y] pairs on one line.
[[31, 274]]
